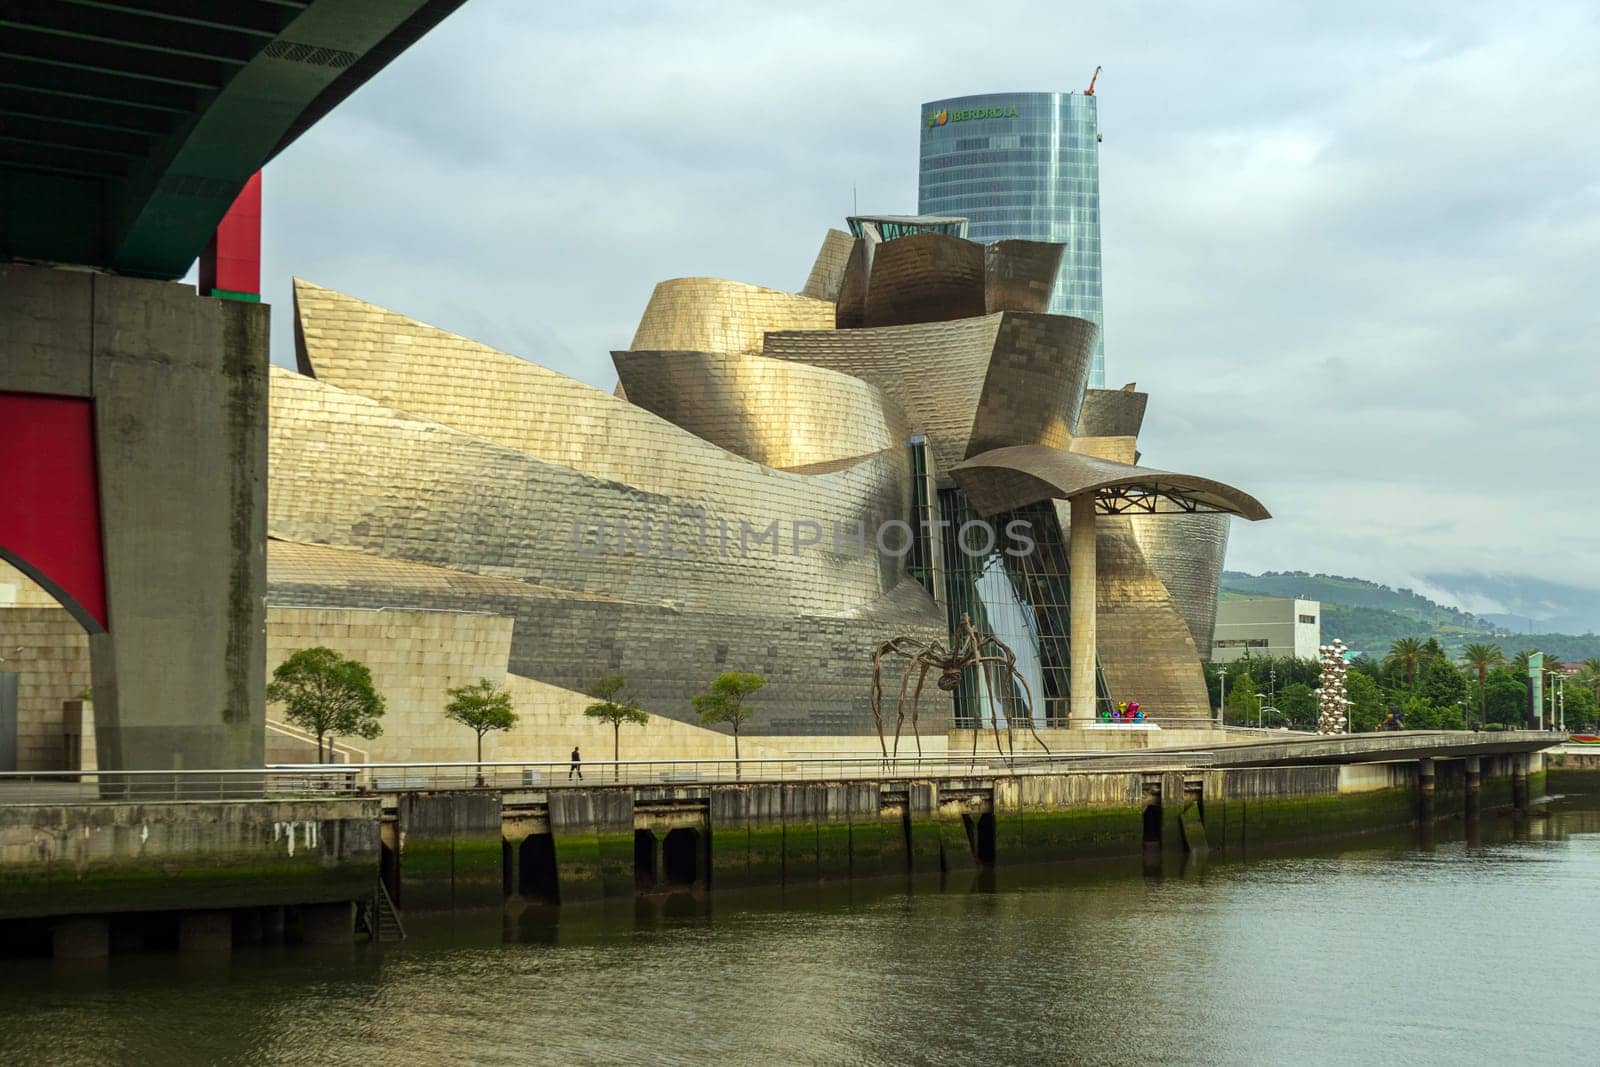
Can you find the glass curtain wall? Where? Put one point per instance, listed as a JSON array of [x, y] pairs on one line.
[[1021, 599], [1023, 166]]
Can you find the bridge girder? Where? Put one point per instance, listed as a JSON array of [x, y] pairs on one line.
[[127, 127]]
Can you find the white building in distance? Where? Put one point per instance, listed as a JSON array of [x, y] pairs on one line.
[[1267, 626]]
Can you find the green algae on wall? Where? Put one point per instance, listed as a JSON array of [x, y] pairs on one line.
[[86, 858], [1048, 818], [450, 850], [592, 830], [922, 828], [746, 836], [877, 837]]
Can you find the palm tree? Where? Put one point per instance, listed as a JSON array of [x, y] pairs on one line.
[[1407, 653], [1592, 667], [1519, 662], [1480, 657]]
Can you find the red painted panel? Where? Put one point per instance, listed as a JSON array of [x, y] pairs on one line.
[[232, 259], [49, 500]]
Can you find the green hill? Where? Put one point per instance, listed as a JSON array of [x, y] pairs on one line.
[[1370, 617]]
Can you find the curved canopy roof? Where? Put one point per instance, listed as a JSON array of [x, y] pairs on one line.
[[1004, 479], [127, 129]]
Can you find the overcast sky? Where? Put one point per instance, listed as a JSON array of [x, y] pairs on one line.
[[1350, 252]]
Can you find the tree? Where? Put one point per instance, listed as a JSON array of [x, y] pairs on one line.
[[1480, 657], [1441, 684], [1418, 714], [1242, 698], [1366, 701], [1506, 698], [725, 702], [1407, 654], [1591, 674], [482, 707], [1582, 710], [326, 694], [609, 708], [1299, 704]]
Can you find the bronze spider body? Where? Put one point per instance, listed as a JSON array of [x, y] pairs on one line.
[[984, 652]]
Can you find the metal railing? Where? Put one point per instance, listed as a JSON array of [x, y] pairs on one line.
[[377, 779]]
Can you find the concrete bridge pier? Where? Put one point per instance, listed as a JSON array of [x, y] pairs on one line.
[[1425, 788], [1519, 782], [133, 463], [1472, 809]]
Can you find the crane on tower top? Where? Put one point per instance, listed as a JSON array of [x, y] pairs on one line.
[[1092, 79]]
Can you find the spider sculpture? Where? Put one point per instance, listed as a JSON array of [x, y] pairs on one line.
[[972, 649]]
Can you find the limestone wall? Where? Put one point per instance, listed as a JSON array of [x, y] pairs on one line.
[[77, 858], [17, 590], [50, 651], [414, 656]]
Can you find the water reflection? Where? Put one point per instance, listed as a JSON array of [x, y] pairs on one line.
[[1391, 946]]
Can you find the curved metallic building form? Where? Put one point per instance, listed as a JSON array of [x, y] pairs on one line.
[[1020, 275], [1007, 478], [728, 506], [1111, 412], [1145, 647], [714, 315], [1187, 552], [785, 415], [828, 270], [939, 373], [925, 277]]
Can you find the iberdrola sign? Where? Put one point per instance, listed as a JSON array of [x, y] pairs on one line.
[[939, 118]]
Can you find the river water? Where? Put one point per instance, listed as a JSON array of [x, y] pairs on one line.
[[1386, 949]]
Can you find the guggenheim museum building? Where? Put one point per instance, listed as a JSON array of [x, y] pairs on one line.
[[779, 482]]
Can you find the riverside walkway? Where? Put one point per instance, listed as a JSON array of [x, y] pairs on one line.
[[377, 779]]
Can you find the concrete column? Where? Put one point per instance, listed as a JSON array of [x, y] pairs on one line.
[[328, 924], [1425, 776], [1472, 806], [178, 386], [1519, 781], [81, 937], [205, 931], [1082, 565], [1425, 784]]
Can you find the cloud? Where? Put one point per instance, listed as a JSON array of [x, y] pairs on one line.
[[1350, 250]]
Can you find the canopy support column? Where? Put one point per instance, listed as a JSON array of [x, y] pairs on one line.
[[1082, 565]]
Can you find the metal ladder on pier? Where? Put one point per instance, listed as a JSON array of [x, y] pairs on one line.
[[381, 918]]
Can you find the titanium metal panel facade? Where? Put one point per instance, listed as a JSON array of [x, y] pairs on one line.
[[419, 469], [1023, 165]]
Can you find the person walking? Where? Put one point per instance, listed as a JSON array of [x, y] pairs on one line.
[[577, 765]]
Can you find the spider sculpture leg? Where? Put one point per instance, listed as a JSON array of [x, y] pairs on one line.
[[1027, 691], [877, 693], [916, 700], [968, 652], [900, 708], [979, 663], [899, 646], [983, 663]]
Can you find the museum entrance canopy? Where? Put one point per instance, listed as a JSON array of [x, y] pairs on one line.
[[127, 128], [1004, 479]]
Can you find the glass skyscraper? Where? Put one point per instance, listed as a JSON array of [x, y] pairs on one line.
[[1023, 165]]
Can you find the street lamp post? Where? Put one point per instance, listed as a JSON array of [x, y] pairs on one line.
[[1260, 706], [1222, 695]]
